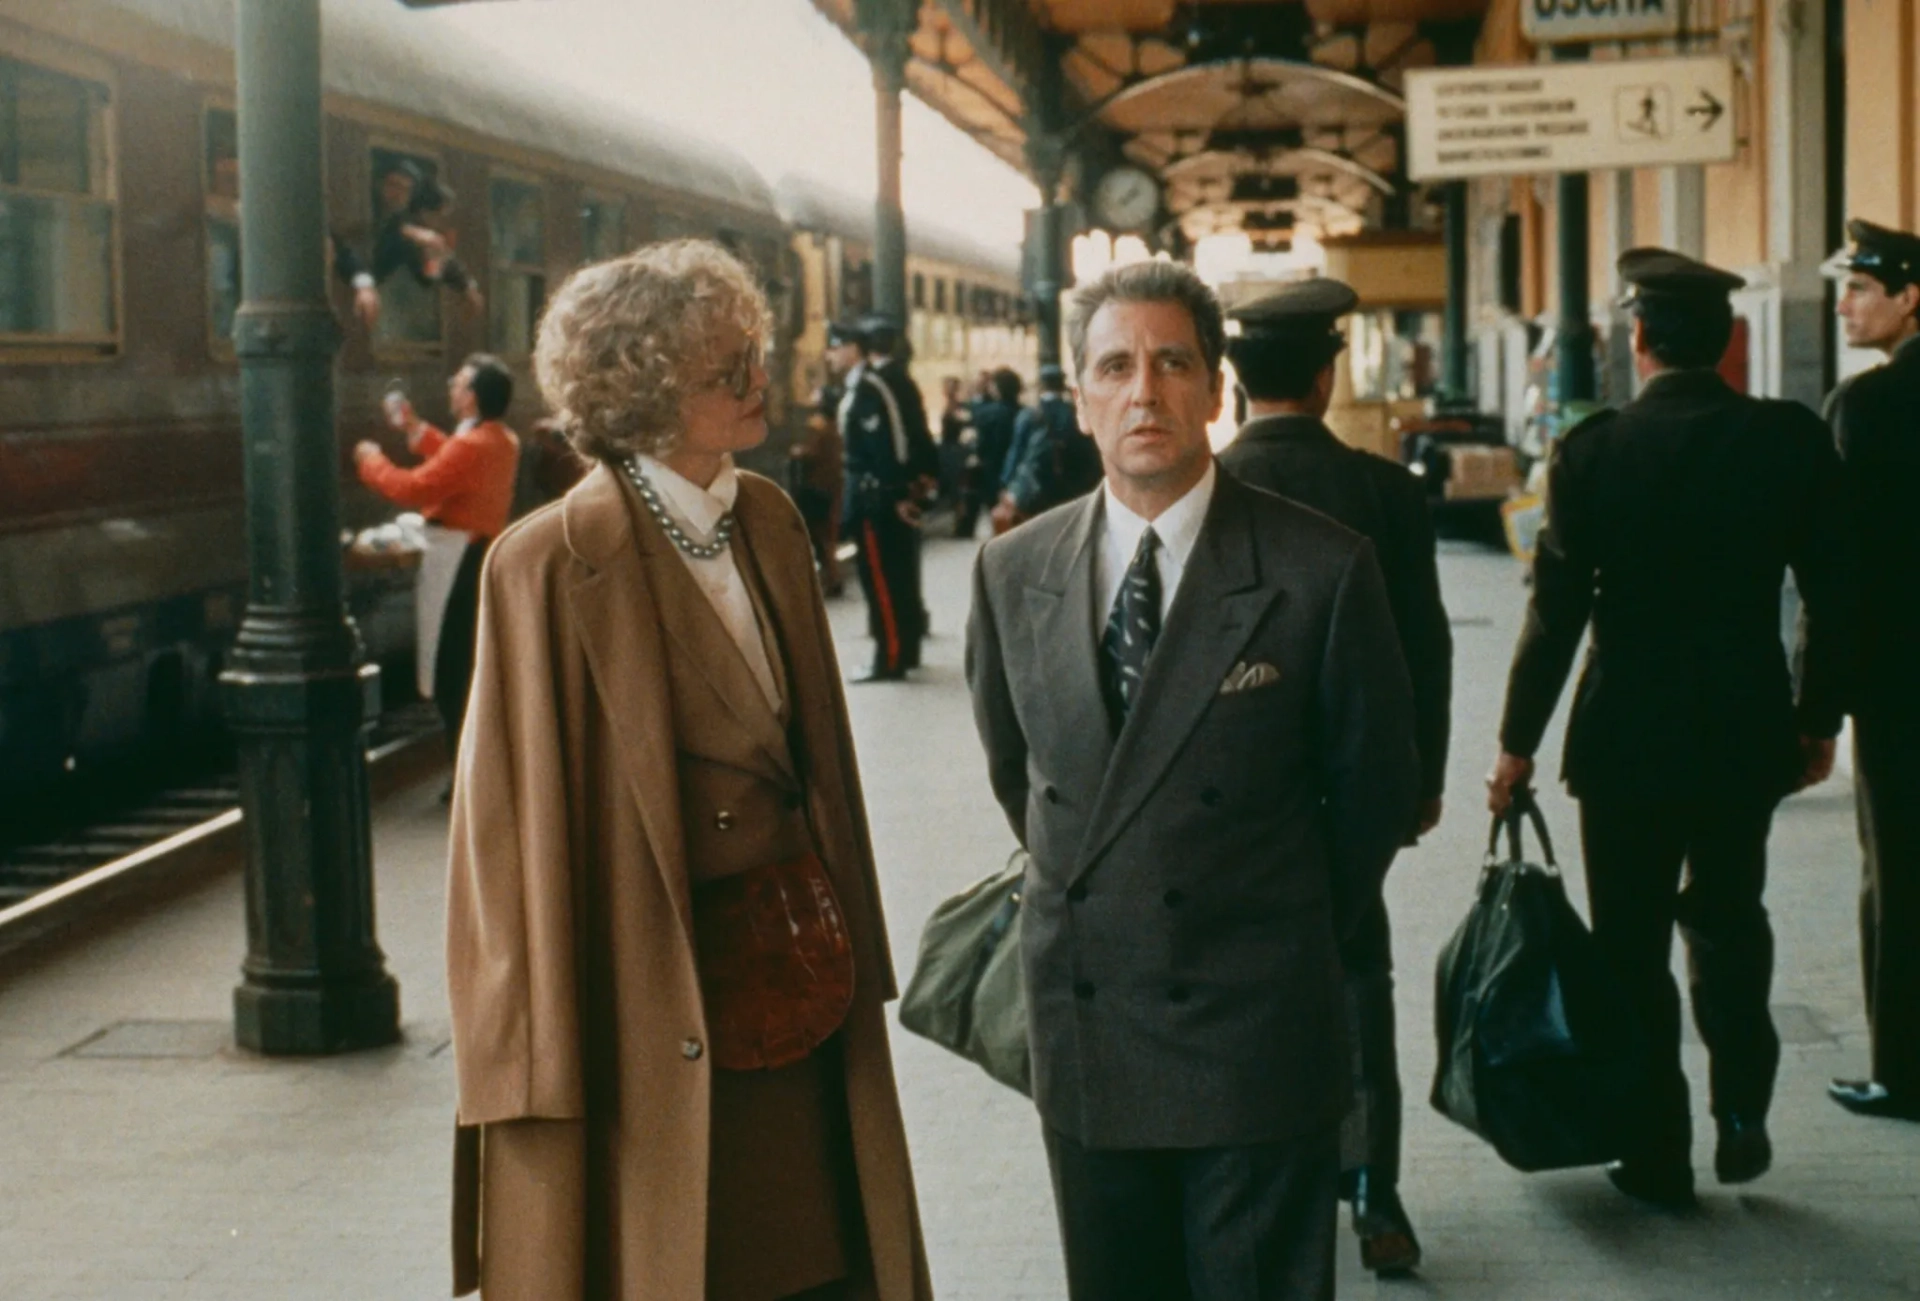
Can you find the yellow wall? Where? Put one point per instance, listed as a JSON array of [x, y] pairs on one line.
[[1737, 191], [1881, 135], [1646, 207]]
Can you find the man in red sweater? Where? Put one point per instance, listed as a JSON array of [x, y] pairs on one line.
[[465, 482]]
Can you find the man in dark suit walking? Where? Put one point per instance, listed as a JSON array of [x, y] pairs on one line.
[[1876, 419], [1197, 720], [1284, 355], [1671, 524]]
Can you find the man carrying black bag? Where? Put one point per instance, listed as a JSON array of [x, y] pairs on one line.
[[1670, 524]]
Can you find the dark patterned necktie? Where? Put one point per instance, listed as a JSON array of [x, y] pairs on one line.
[[1133, 625]]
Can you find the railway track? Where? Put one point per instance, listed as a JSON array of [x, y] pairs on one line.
[[168, 835]]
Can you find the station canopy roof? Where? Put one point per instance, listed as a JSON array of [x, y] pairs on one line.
[[1268, 116]]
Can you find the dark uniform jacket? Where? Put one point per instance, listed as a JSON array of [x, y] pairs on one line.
[[1192, 878], [1876, 420], [881, 400], [1299, 458], [1052, 459], [1671, 523]]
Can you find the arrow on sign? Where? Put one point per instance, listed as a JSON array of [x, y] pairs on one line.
[[1708, 108]]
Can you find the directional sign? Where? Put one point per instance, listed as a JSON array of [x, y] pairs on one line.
[[1559, 22], [1569, 117]]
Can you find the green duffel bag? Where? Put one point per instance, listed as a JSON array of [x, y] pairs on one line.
[[967, 993]]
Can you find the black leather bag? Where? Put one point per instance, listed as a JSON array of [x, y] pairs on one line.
[[968, 993], [1538, 1055]]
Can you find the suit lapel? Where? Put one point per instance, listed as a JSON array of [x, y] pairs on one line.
[[1220, 602], [703, 642], [618, 622], [1063, 642]]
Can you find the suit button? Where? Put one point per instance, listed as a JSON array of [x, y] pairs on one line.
[[1174, 898], [723, 820], [1077, 892], [691, 1050], [1211, 797], [794, 800], [1083, 990], [1178, 994], [1052, 795]]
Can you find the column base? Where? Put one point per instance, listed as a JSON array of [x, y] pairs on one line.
[[315, 1020]]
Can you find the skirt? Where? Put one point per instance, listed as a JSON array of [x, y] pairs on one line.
[[783, 1212]]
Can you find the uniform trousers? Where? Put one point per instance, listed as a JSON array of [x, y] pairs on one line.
[[1370, 1136], [1699, 862], [1887, 788], [1254, 1222], [889, 553], [459, 630]]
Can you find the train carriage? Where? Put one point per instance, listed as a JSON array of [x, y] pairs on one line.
[[965, 310], [122, 540]]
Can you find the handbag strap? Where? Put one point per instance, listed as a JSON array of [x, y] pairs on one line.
[[1524, 808]]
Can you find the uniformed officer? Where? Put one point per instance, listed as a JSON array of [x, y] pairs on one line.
[[889, 457], [1285, 355], [1876, 420], [1670, 523]]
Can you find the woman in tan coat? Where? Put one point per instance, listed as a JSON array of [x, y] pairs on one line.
[[667, 961]]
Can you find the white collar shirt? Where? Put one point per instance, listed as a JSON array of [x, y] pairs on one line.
[[1178, 529], [697, 511]]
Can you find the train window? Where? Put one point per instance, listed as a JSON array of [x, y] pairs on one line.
[[56, 208], [519, 257], [602, 229], [409, 306], [919, 290], [221, 184]]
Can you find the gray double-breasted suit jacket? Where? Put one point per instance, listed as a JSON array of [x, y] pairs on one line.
[[1193, 876]]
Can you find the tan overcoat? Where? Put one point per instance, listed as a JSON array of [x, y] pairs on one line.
[[601, 749]]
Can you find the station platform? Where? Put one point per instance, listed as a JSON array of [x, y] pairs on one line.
[[145, 1159]]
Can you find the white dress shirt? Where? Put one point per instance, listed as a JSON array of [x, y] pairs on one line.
[[1178, 529], [697, 511]]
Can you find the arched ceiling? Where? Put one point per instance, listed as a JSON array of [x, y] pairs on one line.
[[1236, 105]]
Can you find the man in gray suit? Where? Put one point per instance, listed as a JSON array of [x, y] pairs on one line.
[[1197, 719]]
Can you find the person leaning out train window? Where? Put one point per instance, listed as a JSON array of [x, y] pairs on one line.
[[667, 962], [464, 482]]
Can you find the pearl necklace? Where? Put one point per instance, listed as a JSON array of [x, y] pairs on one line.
[[722, 532]]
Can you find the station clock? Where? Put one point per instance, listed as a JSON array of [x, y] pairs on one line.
[[1126, 199]]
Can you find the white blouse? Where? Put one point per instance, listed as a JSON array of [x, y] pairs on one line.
[[697, 511]]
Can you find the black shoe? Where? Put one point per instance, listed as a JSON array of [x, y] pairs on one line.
[[878, 675], [1387, 1243], [1866, 1098], [1670, 1187], [1744, 1152]]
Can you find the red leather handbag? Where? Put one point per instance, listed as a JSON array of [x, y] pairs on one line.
[[776, 964]]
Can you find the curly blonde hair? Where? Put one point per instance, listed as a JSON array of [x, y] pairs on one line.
[[624, 341]]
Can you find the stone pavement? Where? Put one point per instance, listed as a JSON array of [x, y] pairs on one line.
[[145, 1159]]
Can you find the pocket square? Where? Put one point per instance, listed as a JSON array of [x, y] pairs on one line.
[[1246, 677]]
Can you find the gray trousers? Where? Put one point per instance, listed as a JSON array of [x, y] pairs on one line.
[[1246, 1223]]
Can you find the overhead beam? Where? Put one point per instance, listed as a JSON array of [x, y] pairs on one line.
[[1003, 37], [1313, 159]]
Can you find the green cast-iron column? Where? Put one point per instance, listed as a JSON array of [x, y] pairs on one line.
[[298, 693], [1574, 378], [1047, 259], [1455, 387], [889, 57], [1048, 262]]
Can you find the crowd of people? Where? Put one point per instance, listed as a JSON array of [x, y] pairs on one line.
[[1213, 699]]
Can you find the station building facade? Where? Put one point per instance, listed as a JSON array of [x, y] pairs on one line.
[[1825, 117]]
